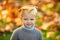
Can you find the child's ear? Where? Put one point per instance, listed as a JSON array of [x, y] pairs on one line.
[[21, 18], [35, 20]]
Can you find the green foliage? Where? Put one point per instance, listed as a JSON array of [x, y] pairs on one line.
[[48, 8], [57, 8], [57, 32], [48, 28], [38, 22], [6, 37], [3, 22]]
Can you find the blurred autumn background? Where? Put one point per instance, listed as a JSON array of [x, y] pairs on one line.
[[48, 19]]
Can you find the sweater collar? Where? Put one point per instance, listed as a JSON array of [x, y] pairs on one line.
[[32, 28]]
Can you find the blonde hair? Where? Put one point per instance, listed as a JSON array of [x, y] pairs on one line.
[[30, 9]]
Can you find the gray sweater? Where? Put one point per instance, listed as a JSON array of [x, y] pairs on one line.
[[23, 34]]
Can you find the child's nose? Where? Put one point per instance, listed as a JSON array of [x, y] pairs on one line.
[[29, 21]]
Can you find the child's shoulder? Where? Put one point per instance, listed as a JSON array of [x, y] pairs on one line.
[[17, 30], [38, 31]]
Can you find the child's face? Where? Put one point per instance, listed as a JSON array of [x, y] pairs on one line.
[[28, 20]]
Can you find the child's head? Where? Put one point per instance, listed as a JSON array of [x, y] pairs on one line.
[[28, 16]]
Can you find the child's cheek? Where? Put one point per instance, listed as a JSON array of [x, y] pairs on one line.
[[33, 22]]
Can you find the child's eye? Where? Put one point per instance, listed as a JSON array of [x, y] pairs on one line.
[[31, 19], [25, 19]]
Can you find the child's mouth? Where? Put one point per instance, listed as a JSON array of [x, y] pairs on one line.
[[28, 24]]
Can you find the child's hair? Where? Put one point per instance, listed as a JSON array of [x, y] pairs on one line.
[[30, 9]]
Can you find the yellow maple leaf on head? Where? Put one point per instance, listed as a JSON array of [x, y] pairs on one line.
[[29, 9]]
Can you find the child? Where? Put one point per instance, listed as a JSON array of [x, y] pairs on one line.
[[28, 30]]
